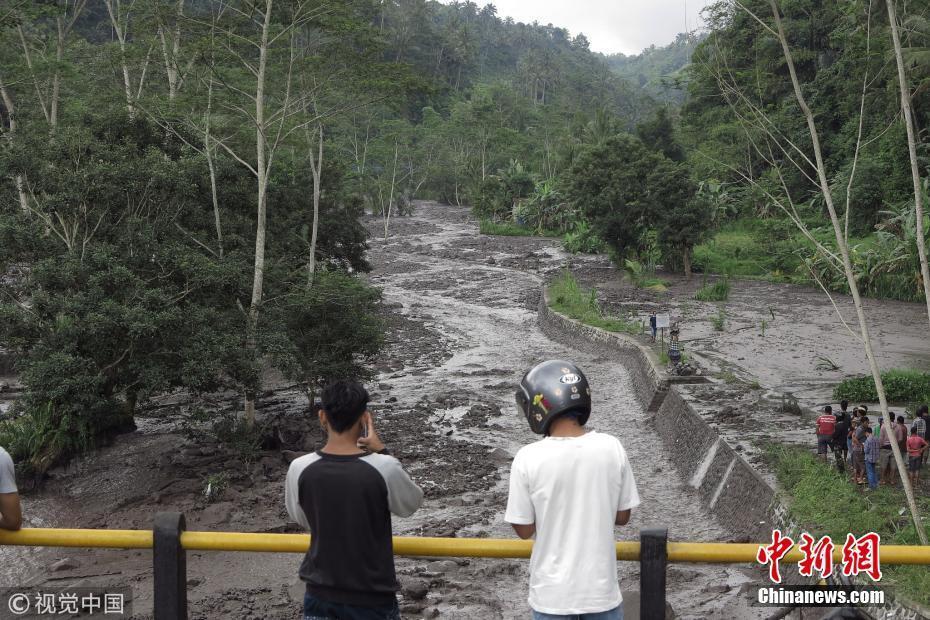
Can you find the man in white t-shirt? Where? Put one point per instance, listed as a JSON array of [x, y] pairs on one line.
[[570, 489], [11, 516]]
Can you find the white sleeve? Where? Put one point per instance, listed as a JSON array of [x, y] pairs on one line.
[[7, 473], [520, 509], [292, 493], [404, 496], [628, 498]]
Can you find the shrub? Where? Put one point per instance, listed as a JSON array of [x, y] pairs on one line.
[[718, 291], [509, 229], [571, 299], [582, 239], [38, 437], [719, 322], [643, 276], [901, 386]]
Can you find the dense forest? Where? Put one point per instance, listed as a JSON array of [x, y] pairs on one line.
[[184, 181], [741, 124], [659, 70]]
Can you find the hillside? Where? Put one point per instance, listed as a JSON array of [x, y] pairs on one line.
[[657, 71]]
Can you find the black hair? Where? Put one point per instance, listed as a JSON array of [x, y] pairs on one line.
[[922, 409], [865, 419], [344, 403], [576, 413], [900, 419], [844, 404], [828, 409], [868, 429]]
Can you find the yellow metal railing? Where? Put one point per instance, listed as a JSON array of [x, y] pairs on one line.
[[416, 546]]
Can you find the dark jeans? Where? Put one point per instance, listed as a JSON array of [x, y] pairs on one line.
[[872, 475], [316, 609]]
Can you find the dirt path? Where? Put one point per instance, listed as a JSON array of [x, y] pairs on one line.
[[463, 329]]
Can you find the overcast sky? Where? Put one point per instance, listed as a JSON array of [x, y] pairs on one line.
[[612, 26]]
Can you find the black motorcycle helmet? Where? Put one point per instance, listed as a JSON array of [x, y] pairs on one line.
[[550, 389]]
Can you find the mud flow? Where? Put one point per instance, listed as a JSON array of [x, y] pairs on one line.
[[463, 329]]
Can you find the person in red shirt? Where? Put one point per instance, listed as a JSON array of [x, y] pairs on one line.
[[916, 446], [826, 424]]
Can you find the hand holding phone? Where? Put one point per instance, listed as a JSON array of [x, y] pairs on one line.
[[368, 438]]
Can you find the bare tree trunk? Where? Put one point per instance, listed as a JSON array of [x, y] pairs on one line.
[[11, 114], [316, 169], [387, 217], [64, 29], [27, 56], [686, 260], [56, 78], [912, 152], [171, 55], [208, 153], [114, 8], [847, 267], [261, 168]]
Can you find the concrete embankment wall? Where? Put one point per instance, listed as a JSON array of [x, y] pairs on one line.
[[728, 486]]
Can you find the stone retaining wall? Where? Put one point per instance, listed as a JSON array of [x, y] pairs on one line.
[[635, 357], [728, 486]]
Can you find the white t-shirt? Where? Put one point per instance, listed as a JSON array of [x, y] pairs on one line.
[[572, 489], [7, 474]]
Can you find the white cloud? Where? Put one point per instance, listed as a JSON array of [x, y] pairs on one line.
[[626, 26]]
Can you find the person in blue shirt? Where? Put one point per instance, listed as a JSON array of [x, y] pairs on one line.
[[871, 449]]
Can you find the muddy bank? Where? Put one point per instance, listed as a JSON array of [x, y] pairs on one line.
[[788, 338]]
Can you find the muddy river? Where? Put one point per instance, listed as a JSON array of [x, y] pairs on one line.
[[461, 310]]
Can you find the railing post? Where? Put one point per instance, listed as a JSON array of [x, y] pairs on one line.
[[170, 567], [653, 558]]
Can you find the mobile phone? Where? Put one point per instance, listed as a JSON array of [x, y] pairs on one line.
[[364, 430]]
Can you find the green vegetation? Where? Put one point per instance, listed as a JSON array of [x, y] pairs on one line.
[[901, 386], [639, 202], [753, 248], [718, 291], [214, 485], [36, 438], [737, 144], [823, 502], [509, 229], [659, 71], [573, 300], [582, 239], [720, 320], [644, 276]]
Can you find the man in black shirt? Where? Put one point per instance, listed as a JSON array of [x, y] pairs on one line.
[[840, 432], [345, 497]]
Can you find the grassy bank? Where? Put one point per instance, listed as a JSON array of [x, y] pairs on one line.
[[901, 386], [568, 297], [824, 502], [744, 249], [509, 229]]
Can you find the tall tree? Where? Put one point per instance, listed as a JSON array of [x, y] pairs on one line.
[[909, 123]]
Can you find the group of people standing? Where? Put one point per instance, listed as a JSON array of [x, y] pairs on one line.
[[864, 447], [567, 491]]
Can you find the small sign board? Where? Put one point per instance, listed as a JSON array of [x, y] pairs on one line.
[[662, 321]]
